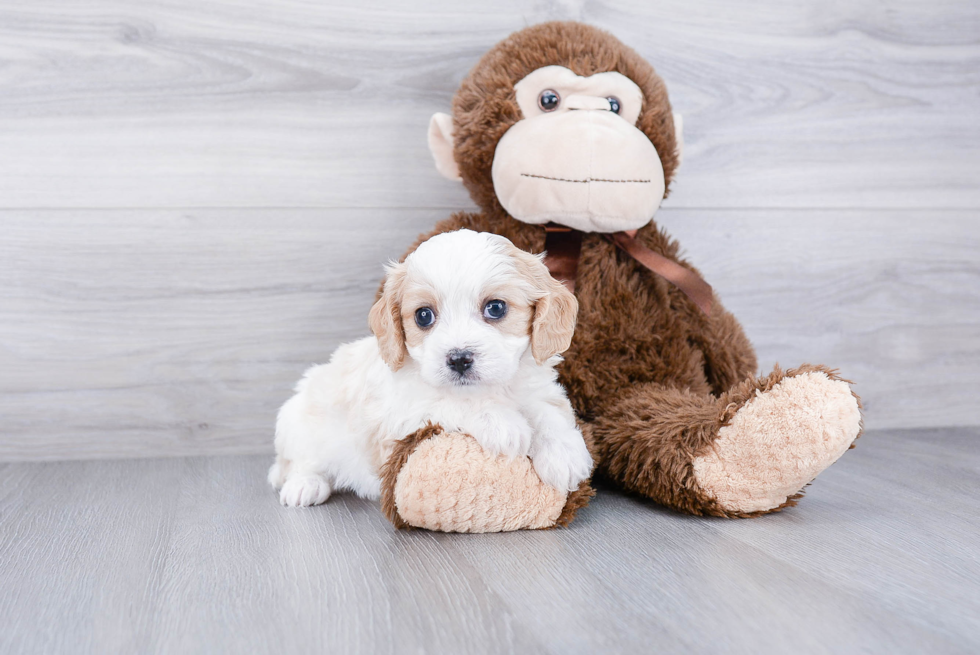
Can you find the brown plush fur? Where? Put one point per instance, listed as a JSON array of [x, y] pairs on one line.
[[655, 427], [485, 105], [652, 378]]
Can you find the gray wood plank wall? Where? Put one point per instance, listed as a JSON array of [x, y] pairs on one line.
[[196, 197]]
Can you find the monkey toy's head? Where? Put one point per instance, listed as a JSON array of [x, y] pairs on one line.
[[561, 122]]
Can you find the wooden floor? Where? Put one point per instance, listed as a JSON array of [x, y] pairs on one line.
[[194, 555]]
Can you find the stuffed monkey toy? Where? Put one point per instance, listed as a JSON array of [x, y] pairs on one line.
[[565, 139]]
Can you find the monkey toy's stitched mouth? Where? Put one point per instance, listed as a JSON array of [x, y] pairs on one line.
[[586, 180]]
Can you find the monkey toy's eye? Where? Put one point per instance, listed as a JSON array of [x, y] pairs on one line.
[[425, 317], [494, 309], [613, 104], [548, 100]]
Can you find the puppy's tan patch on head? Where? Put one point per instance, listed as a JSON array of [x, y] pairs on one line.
[[520, 307], [414, 297], [520, 312], [385, 318], [553, 307]]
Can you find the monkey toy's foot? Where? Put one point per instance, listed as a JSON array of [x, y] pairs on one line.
[[779, 432], [447, 482]]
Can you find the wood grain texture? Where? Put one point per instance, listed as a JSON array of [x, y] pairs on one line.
[[135, 333], [224, 103], [196, 555], [143, 333], [890, 298]]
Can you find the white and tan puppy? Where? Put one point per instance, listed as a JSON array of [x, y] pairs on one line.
[[468, 331]]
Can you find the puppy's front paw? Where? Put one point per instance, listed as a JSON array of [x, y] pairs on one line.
[[504, 432], [304, 490], [563, 464]]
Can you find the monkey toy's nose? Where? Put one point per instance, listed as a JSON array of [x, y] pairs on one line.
[[587, 102], [460, 360]]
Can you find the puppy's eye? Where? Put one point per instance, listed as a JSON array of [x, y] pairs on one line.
[[613, 104], [548, 100], [494, 309], [425, 317]]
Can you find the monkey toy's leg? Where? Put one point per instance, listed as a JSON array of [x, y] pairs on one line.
[[749, 451]]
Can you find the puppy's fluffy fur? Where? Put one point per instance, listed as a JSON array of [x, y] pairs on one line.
[[471, 370]]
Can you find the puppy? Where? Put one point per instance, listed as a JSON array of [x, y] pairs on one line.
[[468, 331]]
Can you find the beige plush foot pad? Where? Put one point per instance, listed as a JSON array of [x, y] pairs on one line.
[[778, 442], [447, 482]]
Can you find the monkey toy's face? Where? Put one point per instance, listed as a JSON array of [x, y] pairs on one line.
[[574, 156]]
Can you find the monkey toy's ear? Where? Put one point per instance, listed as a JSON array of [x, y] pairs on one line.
[[441, 146], [678, 136]]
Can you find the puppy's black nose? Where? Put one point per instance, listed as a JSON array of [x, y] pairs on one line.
[[460, 360]]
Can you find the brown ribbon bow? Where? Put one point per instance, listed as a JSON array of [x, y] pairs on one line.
[[564, 244]]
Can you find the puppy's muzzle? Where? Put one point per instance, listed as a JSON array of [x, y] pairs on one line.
[[460, 361]]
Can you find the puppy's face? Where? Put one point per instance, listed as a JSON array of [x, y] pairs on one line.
[[467, 306]]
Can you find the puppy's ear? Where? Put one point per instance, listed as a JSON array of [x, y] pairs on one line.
[[385, 319], [553, 323], [554, 320]]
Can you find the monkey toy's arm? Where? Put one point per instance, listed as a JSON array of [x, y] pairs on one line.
[[729, 357], [728, 354]]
